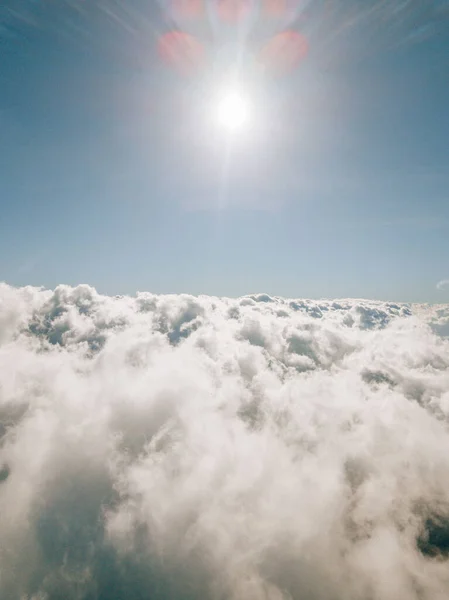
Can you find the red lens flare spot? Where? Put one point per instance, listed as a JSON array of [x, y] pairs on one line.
[[283, 52], [275, 8], [187, 8], [181, 51], [232, 11]]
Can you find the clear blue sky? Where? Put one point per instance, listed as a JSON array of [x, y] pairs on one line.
[[107, 176]]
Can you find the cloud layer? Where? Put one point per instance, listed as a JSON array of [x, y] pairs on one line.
[[172, 447]]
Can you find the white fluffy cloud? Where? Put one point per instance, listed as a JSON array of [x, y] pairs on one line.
[[444, 283], [174, 447]]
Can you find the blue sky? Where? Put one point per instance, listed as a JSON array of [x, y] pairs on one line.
[[109, 177]]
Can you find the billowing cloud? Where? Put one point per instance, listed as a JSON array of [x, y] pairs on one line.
[[172, 447], [444, 283]]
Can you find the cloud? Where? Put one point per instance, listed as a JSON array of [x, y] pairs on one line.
[[437, 317], [186, 447], [442, 284]]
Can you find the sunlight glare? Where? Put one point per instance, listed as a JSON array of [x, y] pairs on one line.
[[233, 111]]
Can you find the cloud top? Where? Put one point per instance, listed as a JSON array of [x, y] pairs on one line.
[[444, 283], [186, 447]]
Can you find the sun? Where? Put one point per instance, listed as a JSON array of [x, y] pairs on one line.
[[233, 111]]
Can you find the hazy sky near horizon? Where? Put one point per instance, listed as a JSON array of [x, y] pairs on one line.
[[111, 174]]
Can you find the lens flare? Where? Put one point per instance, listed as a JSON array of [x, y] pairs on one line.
[[283, 52], [275, 8], [182, 51], [232, 11], [186, 8]]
